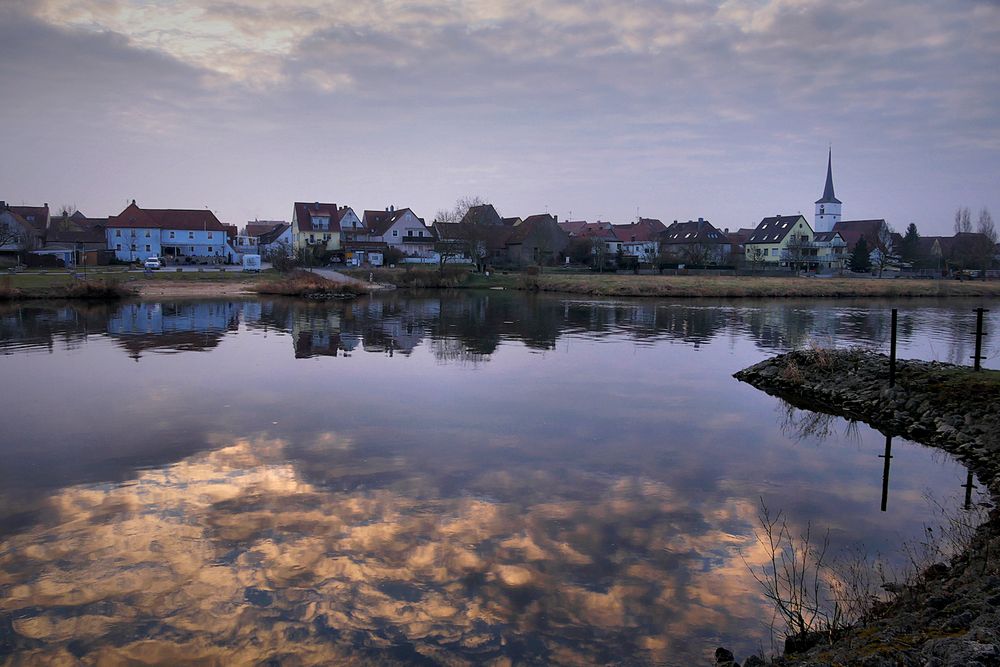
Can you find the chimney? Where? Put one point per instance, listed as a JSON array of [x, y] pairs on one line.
[[3, 204], [675, 222], [316, 206], [556, 218], [392, 208], [386, 209], [701, 219], [726, 230], [133, 202]]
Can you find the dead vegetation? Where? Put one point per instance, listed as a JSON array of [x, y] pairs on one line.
[[94, 290], [303, 284], [756, 287]]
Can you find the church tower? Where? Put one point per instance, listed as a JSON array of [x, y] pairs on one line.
[[828, 207]]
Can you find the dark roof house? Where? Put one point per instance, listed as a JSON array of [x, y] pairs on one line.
[[775, 228]]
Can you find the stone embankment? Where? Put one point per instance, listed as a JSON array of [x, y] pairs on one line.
[[951, 614]]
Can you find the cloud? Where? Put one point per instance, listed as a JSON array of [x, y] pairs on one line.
[[660, 102]]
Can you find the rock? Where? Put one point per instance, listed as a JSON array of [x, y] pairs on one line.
[[724, 657]]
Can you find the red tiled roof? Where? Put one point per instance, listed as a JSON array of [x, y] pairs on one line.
[[304, 212], [852, 231], [166, 218], [524, 230], [258, 228], [646, 229], [36, 216], [379, 222]]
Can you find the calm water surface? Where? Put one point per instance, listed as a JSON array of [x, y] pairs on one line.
[[471, 478]]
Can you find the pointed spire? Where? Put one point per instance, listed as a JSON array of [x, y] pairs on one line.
[[828, 196]]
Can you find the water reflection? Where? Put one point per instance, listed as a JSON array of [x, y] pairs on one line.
[[232, 556], [462, 479], [471, 328]]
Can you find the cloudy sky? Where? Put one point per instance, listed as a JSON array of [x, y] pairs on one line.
[[670, 108]]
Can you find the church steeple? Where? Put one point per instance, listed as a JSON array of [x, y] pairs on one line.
[[828, 196], [827, 208]]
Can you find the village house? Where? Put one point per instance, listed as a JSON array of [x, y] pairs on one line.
[[315, 226], [22, 228], [265, 237], [190, 235], [402, 230], [695, 242], [776, 239], [537, 239], [639, 240]]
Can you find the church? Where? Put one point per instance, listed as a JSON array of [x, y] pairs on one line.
[[876, 232]]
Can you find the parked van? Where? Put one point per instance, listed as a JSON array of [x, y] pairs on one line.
[[251, 263]]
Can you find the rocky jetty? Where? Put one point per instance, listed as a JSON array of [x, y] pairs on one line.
[[951, 614]]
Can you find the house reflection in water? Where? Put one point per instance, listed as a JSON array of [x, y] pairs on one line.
[[172, 326]]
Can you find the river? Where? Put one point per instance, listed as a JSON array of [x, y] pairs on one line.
[[459, 478]]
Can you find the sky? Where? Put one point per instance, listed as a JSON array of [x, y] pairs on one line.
[[673, 109]]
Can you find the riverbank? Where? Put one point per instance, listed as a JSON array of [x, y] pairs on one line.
[[179, 285], [949, 615], [629, 285]]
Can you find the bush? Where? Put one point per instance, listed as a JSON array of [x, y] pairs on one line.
[[310, 286]]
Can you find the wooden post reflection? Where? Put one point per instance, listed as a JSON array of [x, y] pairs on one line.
[[885, 471], [968, 486]]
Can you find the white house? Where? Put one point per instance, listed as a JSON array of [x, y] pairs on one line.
[[401, 229]]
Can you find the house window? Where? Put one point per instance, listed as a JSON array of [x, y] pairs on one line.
[[210, 248], [421, 232], [133, 247], [210, 235], [409, 232], [312, 238], [118, 232], [190, 235], [148, 248], [192, 248], [395, 232], [118, 247], [171, 235], [148, 234]]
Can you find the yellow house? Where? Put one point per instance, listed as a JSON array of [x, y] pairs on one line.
[[782, 240], [316, 224]]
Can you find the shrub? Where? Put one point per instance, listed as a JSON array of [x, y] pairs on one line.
[[309, 285]]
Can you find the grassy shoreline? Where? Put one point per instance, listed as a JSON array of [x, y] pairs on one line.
[[627, 285], [205, 284]]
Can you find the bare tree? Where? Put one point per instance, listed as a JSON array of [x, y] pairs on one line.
[[600, 251], [458, 211], [883, 250], [8, 233], [985, 225], [963, 220], [757, 257]]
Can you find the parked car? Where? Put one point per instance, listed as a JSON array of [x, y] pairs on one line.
[[153, 263]]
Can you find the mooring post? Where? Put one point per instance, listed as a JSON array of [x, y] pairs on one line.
[[968, 486], [885, 471], [978, 356], [892, 351]]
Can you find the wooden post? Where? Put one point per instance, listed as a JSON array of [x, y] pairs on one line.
[[892, 351], [978, 356]]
